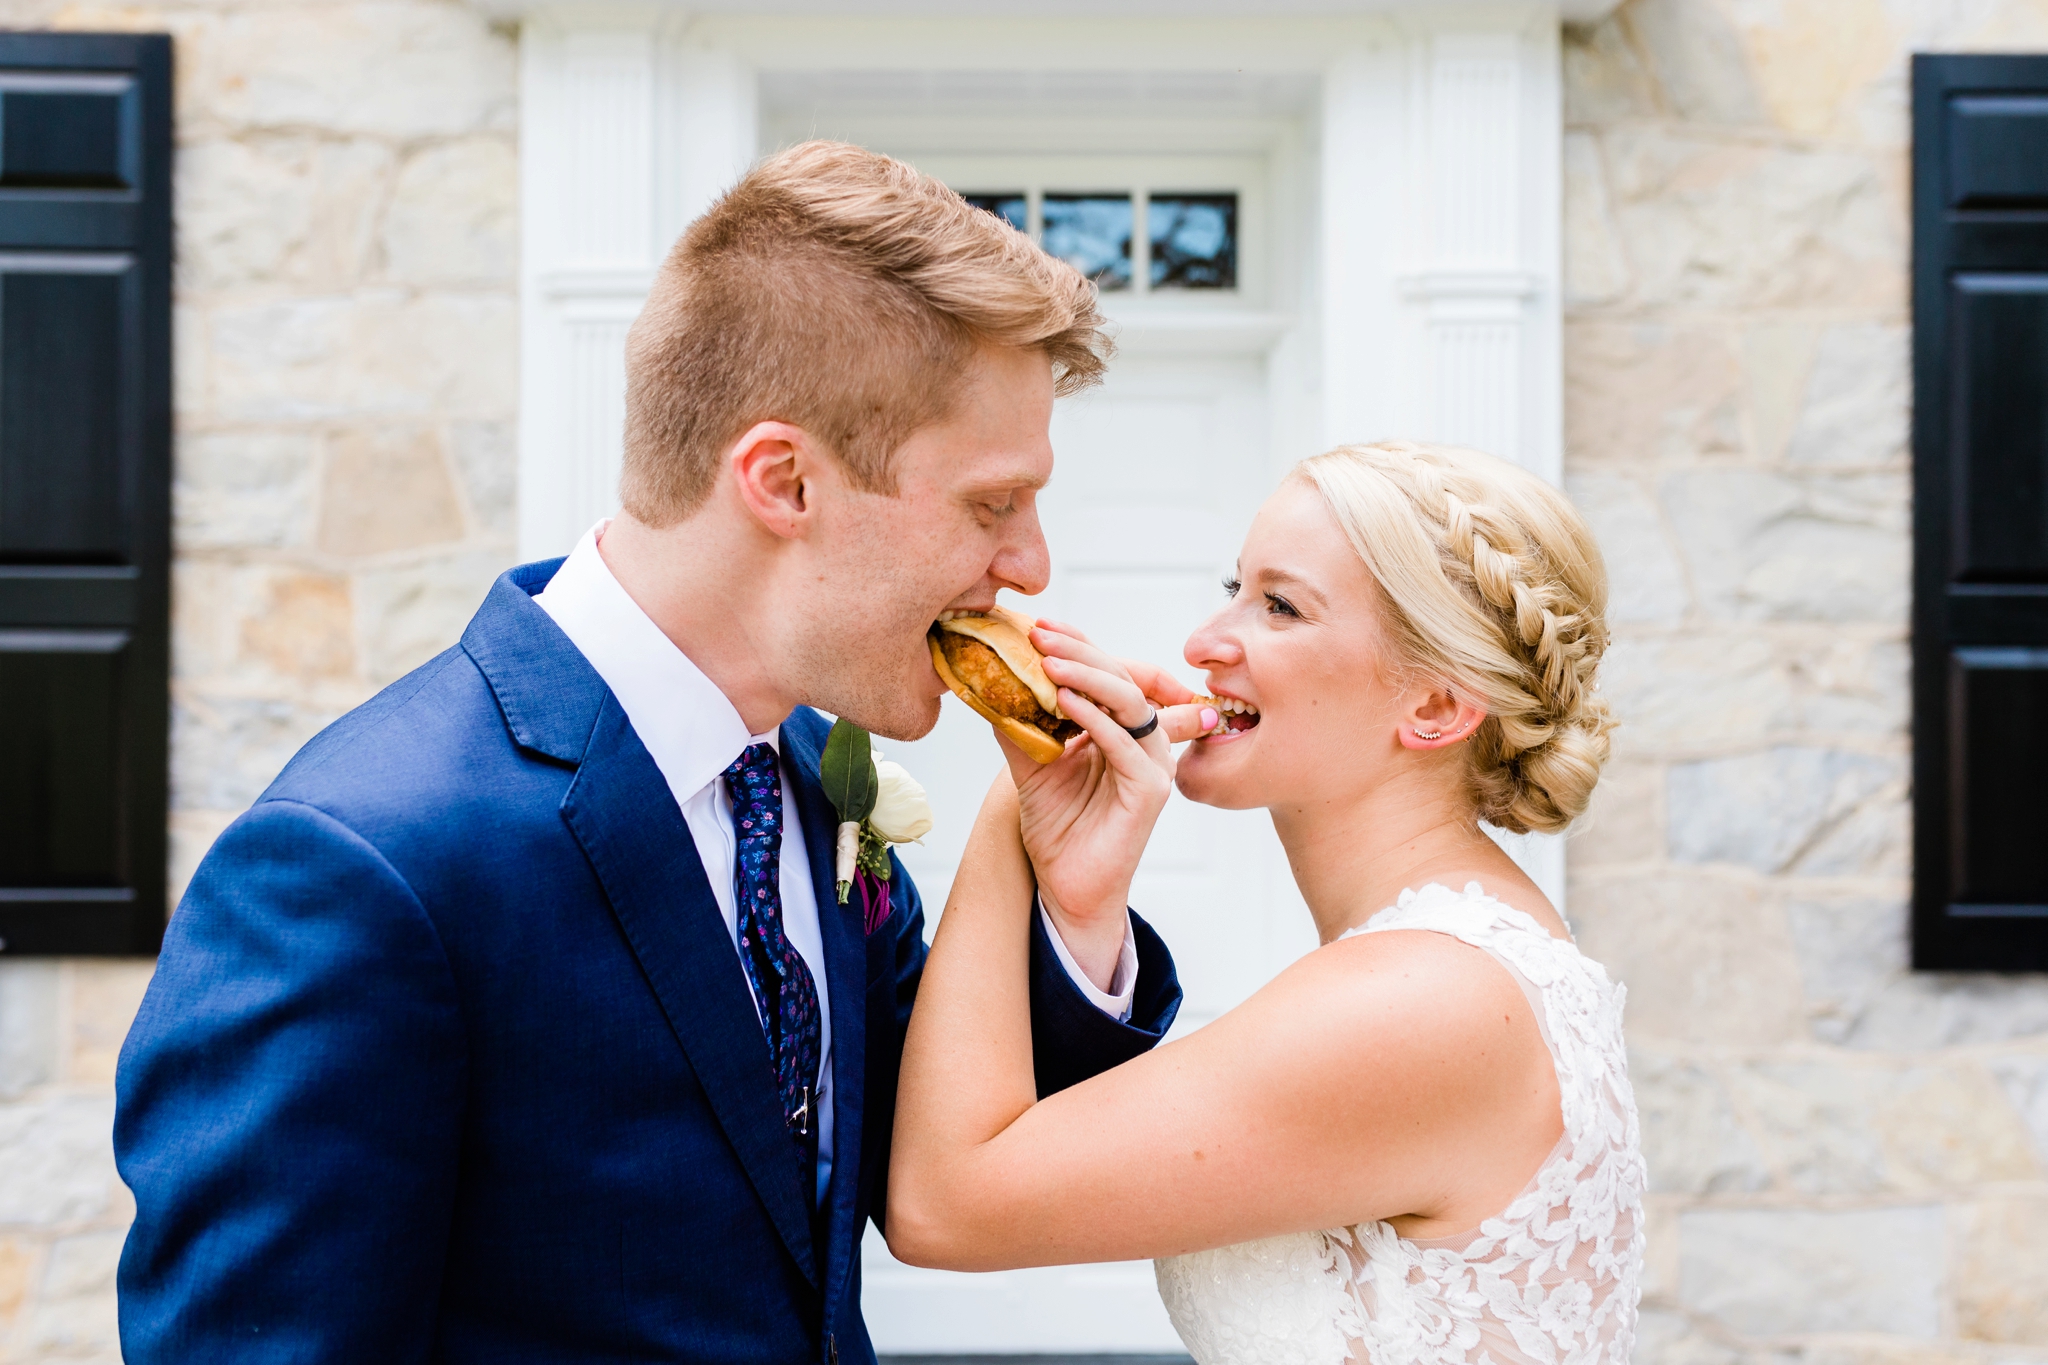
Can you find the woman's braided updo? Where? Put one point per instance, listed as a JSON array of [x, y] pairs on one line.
[[1493, 584]]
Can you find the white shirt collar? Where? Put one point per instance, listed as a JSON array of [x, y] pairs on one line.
[[688, 726]]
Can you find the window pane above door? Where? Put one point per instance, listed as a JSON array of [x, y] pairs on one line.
[[1194, 240], [1092, 233]]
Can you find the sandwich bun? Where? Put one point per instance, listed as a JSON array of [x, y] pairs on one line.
[[1016, 698]]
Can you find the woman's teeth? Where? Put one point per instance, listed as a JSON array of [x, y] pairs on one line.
[[1231, 714]]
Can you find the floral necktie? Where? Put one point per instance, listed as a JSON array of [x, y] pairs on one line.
[[782, 983]]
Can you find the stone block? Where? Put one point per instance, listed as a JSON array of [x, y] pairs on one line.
[[1857, 406], [486, 457], [2001, 1269], [2024, 1077], [226, 749], [1761, 546], [293, 209], [1675, 694], [84, 1264], [1595, 268], [105, 994], [410, 614], [386, 489], [1667, 1338], [18, 1261], [1604, 79], [304, 628], [1814, 60], [396, 70], [1777, 363], [1625, 823], [1646, 586], [191, 388], [1849, 684], [56, 1159], [454, 217], [1693, 1143], [1705, 958], [1818, 812], [1637, 391], [1864, 1129], [244, 490], [1854, 963], [84, 1326], [374, 353], [1713, 222], [30, 1005], [264, 628], [1699, 60], [1775, 1272]]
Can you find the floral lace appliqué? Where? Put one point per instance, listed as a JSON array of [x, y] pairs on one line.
[[1553, 1279]]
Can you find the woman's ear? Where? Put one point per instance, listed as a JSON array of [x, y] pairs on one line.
[[1439, 719], [769, 465]]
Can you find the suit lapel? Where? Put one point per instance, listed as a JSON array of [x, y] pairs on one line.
[[846, 972], [621, 811]]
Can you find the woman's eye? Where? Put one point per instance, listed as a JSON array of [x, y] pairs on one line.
[[1280, 606], [1231, 585]]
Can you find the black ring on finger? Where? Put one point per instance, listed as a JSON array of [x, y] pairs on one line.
[[1140, 731]]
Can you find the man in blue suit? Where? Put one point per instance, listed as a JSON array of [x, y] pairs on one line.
[[518, 1020]]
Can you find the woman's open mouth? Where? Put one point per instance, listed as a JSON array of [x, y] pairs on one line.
[[1234, 717]]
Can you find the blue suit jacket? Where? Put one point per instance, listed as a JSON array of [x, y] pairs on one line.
[[448, 1056]]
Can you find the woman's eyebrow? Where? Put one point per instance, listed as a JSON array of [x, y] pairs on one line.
[[1282, 579]]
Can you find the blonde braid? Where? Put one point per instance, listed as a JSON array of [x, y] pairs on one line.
[[1514, 615]]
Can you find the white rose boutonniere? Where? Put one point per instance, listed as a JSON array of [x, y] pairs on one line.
[[902, 814], [879, 804]]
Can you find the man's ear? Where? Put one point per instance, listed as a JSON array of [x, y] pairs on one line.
[[771, 465], [1439, 719]]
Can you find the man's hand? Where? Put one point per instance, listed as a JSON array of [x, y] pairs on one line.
[[1087, 816]]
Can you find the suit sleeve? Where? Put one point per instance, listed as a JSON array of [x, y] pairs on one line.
[[288, 1108], [1071, 1039], [896, 954]]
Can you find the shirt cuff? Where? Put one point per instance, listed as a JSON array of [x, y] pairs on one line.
[[1123, 982]]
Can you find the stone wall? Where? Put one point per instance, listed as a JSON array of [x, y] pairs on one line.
[[1847, 1160], [346, 355]]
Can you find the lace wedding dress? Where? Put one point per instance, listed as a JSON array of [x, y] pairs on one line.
[[1551, 1280]]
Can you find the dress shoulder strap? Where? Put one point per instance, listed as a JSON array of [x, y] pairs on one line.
[[1577, 1008]]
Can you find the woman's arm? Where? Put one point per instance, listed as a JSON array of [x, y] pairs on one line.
[[1387, 1075]]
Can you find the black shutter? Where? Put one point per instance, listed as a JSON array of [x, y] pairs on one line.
[[85, 462], [1980, 455]]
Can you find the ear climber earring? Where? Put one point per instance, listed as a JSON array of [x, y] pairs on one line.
[[1433, 734]]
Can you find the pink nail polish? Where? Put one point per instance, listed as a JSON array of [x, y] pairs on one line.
[[1209, 718]]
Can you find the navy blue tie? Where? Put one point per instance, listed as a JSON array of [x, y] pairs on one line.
[[782, 983]]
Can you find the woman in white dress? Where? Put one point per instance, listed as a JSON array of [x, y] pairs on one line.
[[1418, 1143]]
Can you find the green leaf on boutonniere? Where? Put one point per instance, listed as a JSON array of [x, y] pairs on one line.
[[847, 772]]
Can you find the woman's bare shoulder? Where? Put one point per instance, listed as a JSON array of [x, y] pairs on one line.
[[1415, 1005]]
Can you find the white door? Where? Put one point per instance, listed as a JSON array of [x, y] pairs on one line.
[[1158, 474]]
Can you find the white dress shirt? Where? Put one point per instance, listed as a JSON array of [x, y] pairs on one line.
[[693, 733]]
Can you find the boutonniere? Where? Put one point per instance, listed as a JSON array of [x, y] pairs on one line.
[[879, 804]]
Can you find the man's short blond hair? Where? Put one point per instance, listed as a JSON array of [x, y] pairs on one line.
[[842, 292]]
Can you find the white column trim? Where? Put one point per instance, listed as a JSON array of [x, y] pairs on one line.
[[629, 131]]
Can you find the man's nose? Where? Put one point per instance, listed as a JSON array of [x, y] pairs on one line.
[[1022, 560]]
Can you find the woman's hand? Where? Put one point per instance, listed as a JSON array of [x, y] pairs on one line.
[[1086, 816]]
